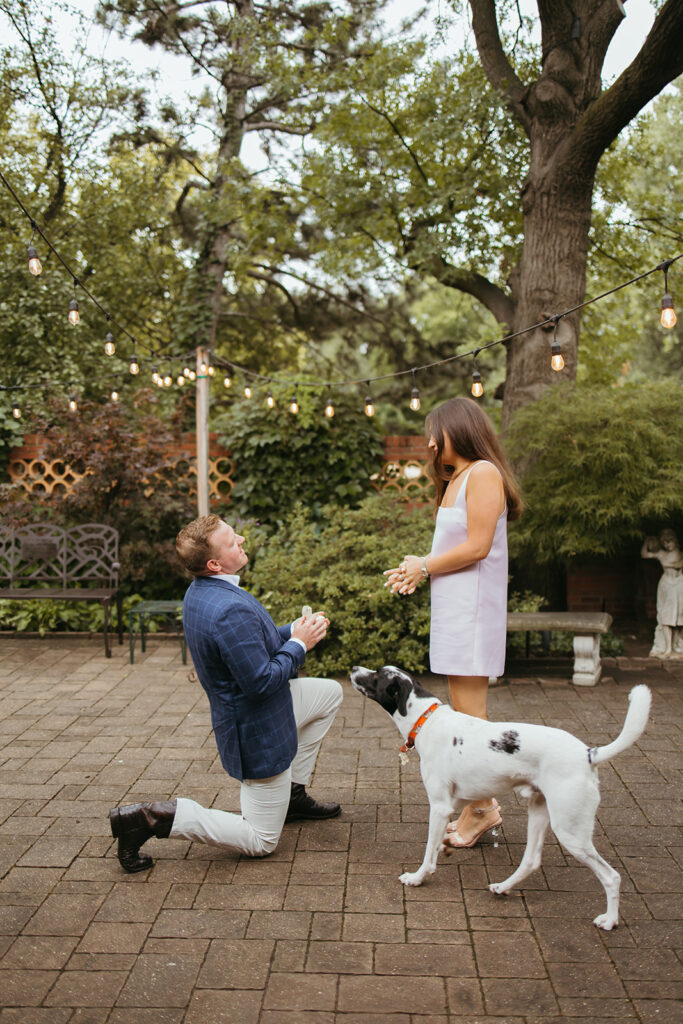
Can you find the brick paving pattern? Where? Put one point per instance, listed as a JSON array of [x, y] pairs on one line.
[[321, 932]]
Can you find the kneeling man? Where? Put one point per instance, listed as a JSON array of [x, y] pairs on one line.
[[268, 723]]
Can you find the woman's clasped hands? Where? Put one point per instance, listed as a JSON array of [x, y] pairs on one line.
[[405, 577]]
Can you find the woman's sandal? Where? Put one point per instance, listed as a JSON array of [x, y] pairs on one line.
[[449, 847]]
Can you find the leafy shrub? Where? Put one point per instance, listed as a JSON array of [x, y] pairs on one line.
[[282, 458], [61, 616], [129, 483], [601, 467], [338, 569]]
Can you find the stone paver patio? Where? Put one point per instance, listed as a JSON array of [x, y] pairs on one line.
[[322, 931]]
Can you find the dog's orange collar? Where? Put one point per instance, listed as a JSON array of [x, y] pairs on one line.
[[410, 742]]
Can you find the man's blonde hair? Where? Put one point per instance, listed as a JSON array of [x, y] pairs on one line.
[[193, 544]]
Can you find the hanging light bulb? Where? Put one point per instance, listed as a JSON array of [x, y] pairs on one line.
[[668, 318], [133, 365], [73, 404], [270, 401], [556, 360], [74, 315], [168, 379], [109, 346], [155, 375], [114, 395], [294, 405], [227, 381], [34, 264], [477, 386], [369, 407], [187, 373], [247, 391], [329, 406], [193, 375], [16, 410], [180, 380], [211, 369], [203, 367], [415, 402]]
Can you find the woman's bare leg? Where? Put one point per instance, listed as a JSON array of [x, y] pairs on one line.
[[468, 695]]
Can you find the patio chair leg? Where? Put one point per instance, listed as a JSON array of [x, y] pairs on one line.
[[107, 651]]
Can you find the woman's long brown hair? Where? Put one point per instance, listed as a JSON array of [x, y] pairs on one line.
[[471, 433]]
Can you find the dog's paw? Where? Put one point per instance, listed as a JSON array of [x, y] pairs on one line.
[[412, 877], [606, 922], [498, 888]]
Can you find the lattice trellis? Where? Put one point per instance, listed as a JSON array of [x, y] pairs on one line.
[[408, 479], [41, 476]]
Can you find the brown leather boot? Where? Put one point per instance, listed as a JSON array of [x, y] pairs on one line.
[[134, 824]]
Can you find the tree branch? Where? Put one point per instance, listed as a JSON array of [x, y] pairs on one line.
[[395, 129], [658, 62], [497, 67], [489, 294], [276, 126]]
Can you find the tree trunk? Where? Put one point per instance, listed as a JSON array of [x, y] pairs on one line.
[[570, 120], [549, 278]]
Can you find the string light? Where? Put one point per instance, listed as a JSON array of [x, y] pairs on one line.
[[73, 404], [109, 346], [329, 405], [270, 401], [477, 386], [34, 264], [211, 369], [114, 395], [155, 375], [186, 372], [668, 318], [74, 315], [180, 380], [556, 360], [415, 402], [168, 379], [203, 367], [369, 407], [16, 410], [247, 390], [294, 405], [227, 381], [133, 365]]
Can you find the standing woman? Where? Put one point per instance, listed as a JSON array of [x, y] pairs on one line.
[[476, 494]]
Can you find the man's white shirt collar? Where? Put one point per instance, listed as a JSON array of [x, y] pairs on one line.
[[235, 580]]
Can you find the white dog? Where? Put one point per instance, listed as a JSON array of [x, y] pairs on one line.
[[464, 758]]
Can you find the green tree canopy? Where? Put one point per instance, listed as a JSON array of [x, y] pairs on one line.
[[601, 468]]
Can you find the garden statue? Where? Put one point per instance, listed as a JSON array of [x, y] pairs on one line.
[[668, 641]]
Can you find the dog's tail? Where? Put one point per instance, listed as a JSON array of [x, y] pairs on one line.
[[640, 699]]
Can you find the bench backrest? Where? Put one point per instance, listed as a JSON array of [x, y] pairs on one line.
[[43, 553]]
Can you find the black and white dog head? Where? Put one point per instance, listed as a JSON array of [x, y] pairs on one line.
[[393, 689]]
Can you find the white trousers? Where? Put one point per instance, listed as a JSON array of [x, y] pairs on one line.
[[264, 802]]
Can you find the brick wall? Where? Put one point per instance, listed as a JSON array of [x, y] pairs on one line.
[[625, 589]]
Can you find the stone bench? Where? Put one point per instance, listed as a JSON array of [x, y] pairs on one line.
[[586, 627], [42, 562]]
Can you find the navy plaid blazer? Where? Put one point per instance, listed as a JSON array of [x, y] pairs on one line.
[[244, 662]]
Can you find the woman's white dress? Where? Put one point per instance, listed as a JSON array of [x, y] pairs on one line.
[[469, 606]]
